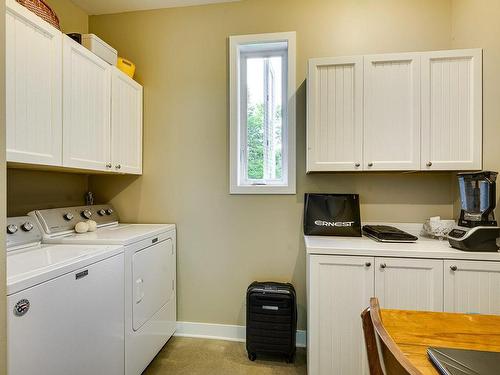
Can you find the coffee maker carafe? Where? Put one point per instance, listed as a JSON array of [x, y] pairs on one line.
[[477, 228]]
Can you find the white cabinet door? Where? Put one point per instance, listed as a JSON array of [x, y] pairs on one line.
[[339, 289], [409, 284], [86, 108], [452, 110], [335, 114], [74, 325], [472, 287], [126, 123], [33, 88], [392, 112]]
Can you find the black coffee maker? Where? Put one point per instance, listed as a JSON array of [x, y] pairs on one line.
[[477, 228]]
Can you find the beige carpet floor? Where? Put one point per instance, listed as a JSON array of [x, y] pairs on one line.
[[188, 356]]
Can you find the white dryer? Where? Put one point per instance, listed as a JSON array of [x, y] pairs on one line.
[[65, 305], [150, 273]]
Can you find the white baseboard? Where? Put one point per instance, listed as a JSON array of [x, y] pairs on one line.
[[223, 332]]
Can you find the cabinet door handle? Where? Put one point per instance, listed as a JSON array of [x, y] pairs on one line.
[[118, 166], [108, 165], [429, 164], [453, 268], [370, 164], [368, 264], [383, 265], [357, 165]]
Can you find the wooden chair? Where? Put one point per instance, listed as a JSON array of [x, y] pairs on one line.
[[384, 356]]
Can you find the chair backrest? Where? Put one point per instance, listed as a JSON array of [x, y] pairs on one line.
[[384, 356]]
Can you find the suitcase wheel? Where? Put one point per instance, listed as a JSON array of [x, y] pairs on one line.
[[252, 356]]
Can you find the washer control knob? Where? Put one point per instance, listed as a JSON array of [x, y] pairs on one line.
[[12, 228], [109, 211], [68, 216], [101, 212], [87, 214], [27, 226]]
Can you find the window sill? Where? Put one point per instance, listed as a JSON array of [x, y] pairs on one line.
[[263, 189]]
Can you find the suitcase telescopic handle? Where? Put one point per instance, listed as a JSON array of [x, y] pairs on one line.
[[267, 307]]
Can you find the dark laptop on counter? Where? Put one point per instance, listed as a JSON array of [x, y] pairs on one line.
[[464, 362]]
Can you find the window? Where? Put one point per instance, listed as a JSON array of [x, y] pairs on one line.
[[262, 114]]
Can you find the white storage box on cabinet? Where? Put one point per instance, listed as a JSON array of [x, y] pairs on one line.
[[392, 112], [126, 123], [86, 108], [335, 114], [33, 88], [452, 110], [93, 43]]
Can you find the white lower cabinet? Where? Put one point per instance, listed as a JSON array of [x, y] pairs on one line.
[[472, 287], [409, 284], [339, 288]]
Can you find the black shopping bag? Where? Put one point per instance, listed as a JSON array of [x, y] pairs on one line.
[[332, 215]]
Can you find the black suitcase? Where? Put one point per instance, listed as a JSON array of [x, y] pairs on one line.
[[271, 319]]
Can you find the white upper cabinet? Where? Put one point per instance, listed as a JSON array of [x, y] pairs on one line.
[[126, 123], [33, 88], [472, 287], [86, 108], [392, 112], [409, 284], [401, 112], [335, 114], [452, 110]]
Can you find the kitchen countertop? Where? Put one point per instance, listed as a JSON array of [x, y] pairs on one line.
[[363, 246]]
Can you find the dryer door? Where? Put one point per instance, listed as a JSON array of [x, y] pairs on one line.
[[153, 281]]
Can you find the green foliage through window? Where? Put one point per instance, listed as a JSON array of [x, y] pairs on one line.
[[255, 142]]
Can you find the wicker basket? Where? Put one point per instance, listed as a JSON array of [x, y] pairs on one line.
[[42, 10]]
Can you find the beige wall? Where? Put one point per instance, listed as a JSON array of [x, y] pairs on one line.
[[72, 18], [3, 300], [30, 190], [475, 23], [227, 241]]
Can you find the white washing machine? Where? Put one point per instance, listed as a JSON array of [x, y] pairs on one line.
[[150, 273], [65, 305]]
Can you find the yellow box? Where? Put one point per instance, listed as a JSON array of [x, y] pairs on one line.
[[126, 66]]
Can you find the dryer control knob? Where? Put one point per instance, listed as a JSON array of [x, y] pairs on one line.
[[27, 226], [68, 216], [12, 228], [109, 211], [87, 214], [101, 212]]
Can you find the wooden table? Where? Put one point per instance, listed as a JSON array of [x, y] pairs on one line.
[[415, 331]]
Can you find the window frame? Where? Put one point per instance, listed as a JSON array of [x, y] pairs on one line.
[[242, 45]]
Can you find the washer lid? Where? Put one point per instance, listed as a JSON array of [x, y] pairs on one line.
[[32, 266], [119, 234]]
